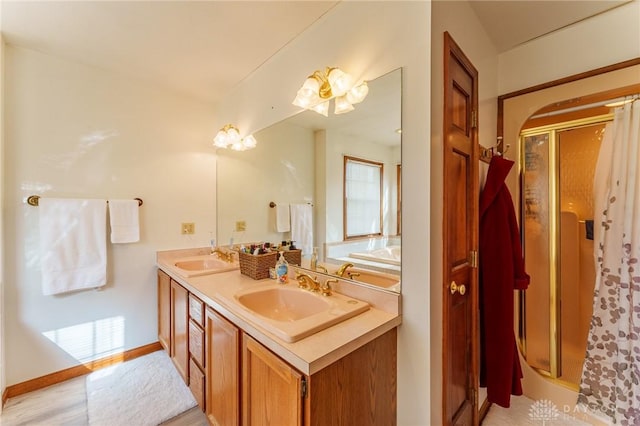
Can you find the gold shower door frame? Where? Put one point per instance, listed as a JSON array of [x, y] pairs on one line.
[[553, 214]]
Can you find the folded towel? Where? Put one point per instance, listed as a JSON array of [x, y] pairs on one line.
[[283, 222], [302, 227], [123, 218], [73, 244]]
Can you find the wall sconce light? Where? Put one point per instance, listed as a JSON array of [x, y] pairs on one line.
[[229, 137], [320, 87]]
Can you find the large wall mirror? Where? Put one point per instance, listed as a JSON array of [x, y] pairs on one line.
[[301, 161], [559, 130]]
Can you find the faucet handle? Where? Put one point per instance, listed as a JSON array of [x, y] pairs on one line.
[[326, 288]]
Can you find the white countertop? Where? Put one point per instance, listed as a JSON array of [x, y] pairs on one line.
[[310, 354]]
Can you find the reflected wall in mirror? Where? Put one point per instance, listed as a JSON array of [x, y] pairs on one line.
[[300, 161]]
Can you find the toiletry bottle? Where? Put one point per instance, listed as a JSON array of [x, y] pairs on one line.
[[282, 269], [314, 259]]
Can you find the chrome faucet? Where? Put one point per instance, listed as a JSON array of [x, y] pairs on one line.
[[306, 282], [342, 270]]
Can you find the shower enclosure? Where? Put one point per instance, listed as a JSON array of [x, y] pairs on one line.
[[557, 168]]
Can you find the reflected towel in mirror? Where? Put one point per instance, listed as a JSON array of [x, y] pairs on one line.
[[302, 227], [283, 222]]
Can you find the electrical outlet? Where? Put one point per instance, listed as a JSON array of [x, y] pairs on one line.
[[241, 226], [188, 228]]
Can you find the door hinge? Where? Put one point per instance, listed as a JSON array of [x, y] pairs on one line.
[[473, 258], [474, 398], [303, 388], [474, 118]]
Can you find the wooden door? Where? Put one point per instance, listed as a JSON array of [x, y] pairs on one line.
[[180, 329], [223, 370], [460, 227], [164, 310], [271, 389]]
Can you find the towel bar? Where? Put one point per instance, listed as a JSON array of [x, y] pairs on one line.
[[33, 200]]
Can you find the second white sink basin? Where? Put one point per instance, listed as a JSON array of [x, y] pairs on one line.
[[203, 265], [293, 314], [283, 303]]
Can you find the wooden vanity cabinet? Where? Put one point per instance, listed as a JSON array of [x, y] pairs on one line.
[[272, 391], [164, 310], [197, 360], [179, 352], [237, 380], [222, 359]]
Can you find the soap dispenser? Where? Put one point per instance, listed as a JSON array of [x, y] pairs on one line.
[[282, 269], [314, 259]]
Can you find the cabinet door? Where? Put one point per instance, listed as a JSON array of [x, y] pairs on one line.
[[180, 329], [222, 342], [164, 310], [271, 389]]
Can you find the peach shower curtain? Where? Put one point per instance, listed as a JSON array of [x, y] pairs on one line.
[[610, 384]]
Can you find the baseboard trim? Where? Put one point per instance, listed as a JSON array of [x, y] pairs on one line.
[[77, 371]]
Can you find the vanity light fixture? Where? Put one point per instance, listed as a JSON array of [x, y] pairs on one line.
[[229, 137], [320, 87]]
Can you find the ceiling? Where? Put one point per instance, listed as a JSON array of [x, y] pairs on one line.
[[206, 48]]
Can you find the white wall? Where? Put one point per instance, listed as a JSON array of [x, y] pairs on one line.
[[76, 131], [369, 39], [2, 281], [603, 40]]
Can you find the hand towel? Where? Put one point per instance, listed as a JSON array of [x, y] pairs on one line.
[[302, 227], [73, 244], [283, 221], [123, 218]]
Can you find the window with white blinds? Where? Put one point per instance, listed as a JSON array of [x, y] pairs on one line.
[[362, 197]]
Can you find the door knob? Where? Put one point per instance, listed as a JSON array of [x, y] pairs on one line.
[[459, 288]]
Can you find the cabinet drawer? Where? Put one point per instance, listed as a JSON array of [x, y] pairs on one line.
[[196, 310], [196, 343], [197, 384]]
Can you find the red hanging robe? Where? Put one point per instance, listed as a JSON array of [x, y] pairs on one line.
[[501, 271]]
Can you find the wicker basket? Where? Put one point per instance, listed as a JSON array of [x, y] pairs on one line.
[[293, 257], [257, 266]]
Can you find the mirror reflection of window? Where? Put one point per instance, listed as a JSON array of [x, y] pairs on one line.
[[362, 197]]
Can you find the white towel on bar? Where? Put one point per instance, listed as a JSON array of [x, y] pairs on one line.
[[124, 221], [302, 227], [283, 221], [73, 244]]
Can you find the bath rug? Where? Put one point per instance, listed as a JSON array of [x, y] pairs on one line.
[[145, 391]]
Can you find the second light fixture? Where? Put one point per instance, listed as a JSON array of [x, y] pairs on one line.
[[320, 87]]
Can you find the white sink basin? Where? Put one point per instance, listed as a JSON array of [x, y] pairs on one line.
[[203, 265], [293, 314], [378, 279], [284, 303]]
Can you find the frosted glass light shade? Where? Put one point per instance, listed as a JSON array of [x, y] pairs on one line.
[[249, 142], [322, 108], [358, 93], [342, 105], [340, 81]]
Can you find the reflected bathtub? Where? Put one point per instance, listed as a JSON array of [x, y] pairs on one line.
[[390, 255]]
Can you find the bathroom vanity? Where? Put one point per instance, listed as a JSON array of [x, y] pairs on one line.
[[248, 368]]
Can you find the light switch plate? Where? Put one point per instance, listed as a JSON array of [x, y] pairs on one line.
[[241, 226], [188, 228]]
